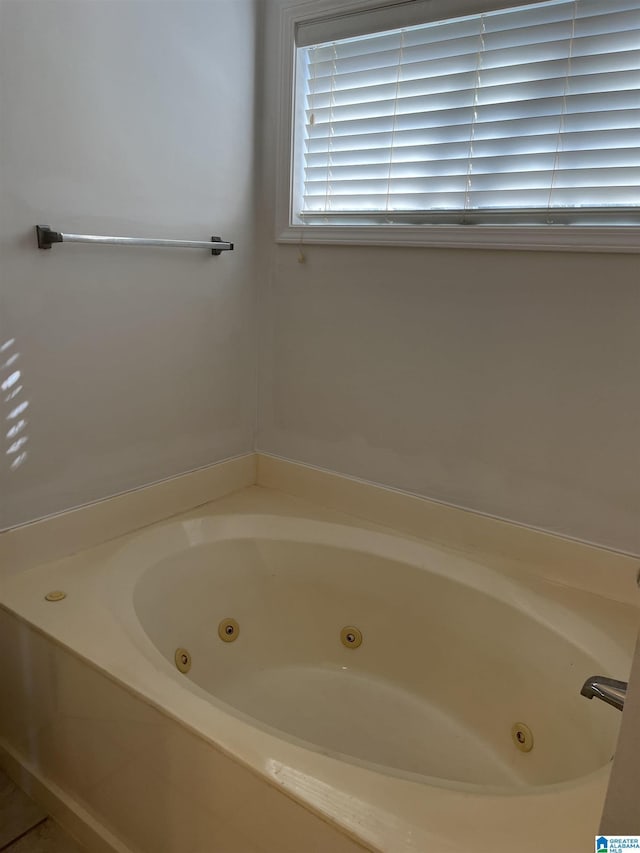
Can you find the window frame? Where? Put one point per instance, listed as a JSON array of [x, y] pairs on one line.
[[570, 238]]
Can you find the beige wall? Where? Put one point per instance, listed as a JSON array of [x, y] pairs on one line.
[[125, 118], [505, 382]]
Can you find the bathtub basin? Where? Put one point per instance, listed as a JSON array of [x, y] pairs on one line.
[[452, 657]]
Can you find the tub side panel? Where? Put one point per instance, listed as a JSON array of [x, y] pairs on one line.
[[145, 778]]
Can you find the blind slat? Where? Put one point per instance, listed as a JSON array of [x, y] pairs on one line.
[[405, 69], [628, 177], [624, 61], [478, 115], [507, 198], [491, 165], [588, 84], [541, 125], [607, 142]]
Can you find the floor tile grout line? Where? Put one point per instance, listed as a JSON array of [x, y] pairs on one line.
[[10, 844]]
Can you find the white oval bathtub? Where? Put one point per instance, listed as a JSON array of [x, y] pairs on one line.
[[403, 744], [453, 653]]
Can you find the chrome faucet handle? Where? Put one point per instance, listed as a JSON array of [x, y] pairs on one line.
[[608, 689]]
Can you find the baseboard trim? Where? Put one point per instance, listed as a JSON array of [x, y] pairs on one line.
[[66, 811]]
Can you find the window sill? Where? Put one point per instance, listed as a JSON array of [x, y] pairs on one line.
[[535, 238]]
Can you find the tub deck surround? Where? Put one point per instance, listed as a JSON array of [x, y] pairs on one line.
[[84, 527], [513, 548], [110, 626]]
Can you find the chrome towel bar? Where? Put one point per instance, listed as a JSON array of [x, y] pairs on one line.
[[47, 237]]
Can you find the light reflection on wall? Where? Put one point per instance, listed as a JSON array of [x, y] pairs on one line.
[[15, 405]]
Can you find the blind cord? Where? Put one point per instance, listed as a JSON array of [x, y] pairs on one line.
[[563, 112], [474, 115], [394, 121]]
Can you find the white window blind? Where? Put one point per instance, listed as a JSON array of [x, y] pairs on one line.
[[530, 113]]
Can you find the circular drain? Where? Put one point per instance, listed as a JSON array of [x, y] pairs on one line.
[[351, 637], [56, 595], [183, 660], [522, 737], [228, 630]]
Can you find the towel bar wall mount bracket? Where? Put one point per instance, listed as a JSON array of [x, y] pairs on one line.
[[47, 237]]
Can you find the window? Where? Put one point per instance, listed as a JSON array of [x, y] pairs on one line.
[[521, 116]]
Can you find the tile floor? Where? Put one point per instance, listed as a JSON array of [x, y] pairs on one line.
[[25, 827]]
